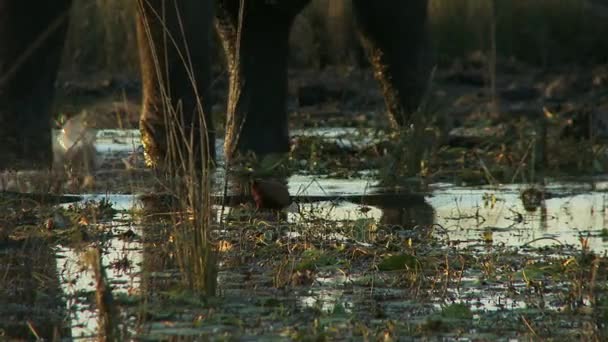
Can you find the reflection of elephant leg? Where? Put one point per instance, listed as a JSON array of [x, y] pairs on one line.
[[408, 215], [257, 62], [175, 41], [395, 35], [31, 43]]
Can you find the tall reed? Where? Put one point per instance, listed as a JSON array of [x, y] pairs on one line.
[[186, 169]]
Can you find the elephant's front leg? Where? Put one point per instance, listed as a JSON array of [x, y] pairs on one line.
[[255, 40], [395, 35], [174, 39], [32, 36]]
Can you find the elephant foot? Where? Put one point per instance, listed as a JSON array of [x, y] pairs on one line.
[[263, 145], [251, 165], [152, 138], [176, 148]]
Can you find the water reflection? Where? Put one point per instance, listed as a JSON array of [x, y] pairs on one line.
[[31, 304], [122, 259], [467, 213], [470, 216]]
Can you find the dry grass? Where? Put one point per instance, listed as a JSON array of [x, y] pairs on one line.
[[185, 170]]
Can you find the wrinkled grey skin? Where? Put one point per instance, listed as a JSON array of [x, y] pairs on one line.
[[174, 43]]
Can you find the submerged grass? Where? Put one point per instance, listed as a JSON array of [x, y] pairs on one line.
[[433, 290]]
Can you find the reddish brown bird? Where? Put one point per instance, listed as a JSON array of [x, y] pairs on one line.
[[270, 194]]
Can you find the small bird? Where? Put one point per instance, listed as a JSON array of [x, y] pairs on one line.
[[270, 194]]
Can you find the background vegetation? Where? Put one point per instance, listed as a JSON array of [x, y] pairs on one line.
[[541, 32]]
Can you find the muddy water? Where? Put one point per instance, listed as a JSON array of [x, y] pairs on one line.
[[469, 217]]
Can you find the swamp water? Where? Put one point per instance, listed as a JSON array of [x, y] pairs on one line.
[[466, 263]]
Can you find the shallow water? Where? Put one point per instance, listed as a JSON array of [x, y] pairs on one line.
[[113, 142], [470, 217], [461, 211]]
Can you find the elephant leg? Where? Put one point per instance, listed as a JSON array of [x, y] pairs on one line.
[[394, 33], [174, 39], [31, 44], [255, 40]]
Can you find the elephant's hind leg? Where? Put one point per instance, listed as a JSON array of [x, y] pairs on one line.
[[395, 34], [31, 42], [174, 40], [257, 64]]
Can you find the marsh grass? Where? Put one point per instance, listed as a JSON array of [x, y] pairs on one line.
[[413, 147], [189, 180]]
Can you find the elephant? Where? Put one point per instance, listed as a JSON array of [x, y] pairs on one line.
[[175, 47]]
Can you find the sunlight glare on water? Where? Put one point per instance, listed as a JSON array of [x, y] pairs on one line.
[[466, 214], [77, 279]]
